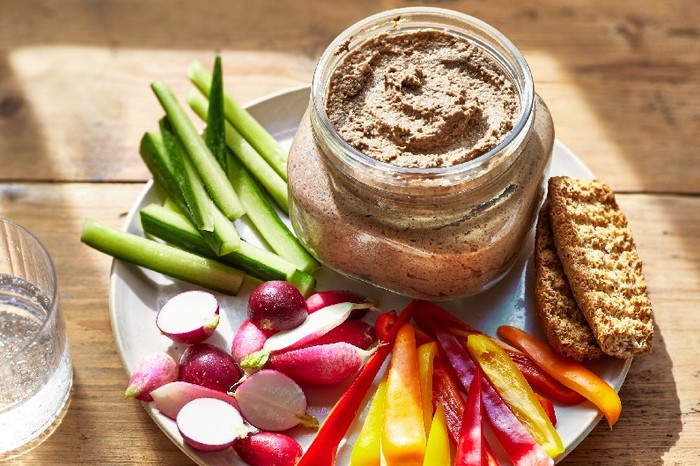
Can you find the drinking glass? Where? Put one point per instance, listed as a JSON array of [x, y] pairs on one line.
[[35, 368]]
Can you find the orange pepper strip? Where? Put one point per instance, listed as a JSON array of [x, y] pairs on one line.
[[567, 371], [426, 355], [403, 432], [515, 391]]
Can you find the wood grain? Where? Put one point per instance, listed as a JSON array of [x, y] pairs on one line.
[[622, 80]]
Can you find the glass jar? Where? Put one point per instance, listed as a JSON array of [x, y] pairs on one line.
[[432, 233]]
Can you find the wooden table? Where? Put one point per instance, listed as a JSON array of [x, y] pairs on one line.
[[622, 80]]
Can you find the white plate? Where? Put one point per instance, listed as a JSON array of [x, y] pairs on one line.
[[136, 293]]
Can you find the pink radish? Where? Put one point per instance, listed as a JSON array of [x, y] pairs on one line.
[[277, 305], [268, 449], [356, 332], [323, 364], [189, 317], [270, 400], [151, 372], [248, 339], [321, 299], [209, 424], [317, 324], [209, 366], [171, 397]]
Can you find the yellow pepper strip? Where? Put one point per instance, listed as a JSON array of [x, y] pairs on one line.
[[426, 355], [567, 371], [367, 449], [403, 433], [511, 385], [437, 450]]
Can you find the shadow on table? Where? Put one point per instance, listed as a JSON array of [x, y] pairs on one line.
[[650, 422]]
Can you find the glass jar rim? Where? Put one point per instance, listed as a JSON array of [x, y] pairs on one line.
[[525, 90]]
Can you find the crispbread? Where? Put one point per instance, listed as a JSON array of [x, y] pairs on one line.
[[563, 322], [600, 260]]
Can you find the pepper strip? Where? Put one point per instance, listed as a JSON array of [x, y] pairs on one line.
[[426, 355], [403, 434], [515, 391], [446, 393], [437, 449], [567, 371], [538, 379], [367, 450], [511, 434], [324, 447], [470, 449]]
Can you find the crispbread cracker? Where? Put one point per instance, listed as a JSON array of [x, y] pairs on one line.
[[600, 260], [563, 322]]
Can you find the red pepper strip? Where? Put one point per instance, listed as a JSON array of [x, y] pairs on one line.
[[491, 459], [446, 392], [538, 379], [511, 434], [542, 382], [548, 408], [470, 449], [423, 338], [324, 447], [567, 371]]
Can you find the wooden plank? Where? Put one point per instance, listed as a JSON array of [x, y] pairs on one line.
[[622, 82]]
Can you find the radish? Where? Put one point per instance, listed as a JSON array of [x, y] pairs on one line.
[[321, 299], [270, 400], [171, 397], [248, 339], [356, 332], [317, 324], [209, 366], [322, 364], [277, 305], [189, 317], [151, 372], [268, 449], [209, 424]]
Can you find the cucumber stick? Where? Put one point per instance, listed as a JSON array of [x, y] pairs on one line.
[[265, 218], [212, 174], [162, 258], [244, 122], [214, 134], [174, 171], [174, 228], [246, 153]]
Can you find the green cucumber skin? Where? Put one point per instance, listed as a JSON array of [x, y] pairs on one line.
[[275, 185], [244, 122], [162, 258], [215, 133], [174, 228], [211, 172]]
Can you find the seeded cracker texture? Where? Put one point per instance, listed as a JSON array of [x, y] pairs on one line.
[[563, 322], [600, 260]]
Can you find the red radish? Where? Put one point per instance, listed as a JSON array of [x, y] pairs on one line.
[[321, 364], [209, 366], [209, 424], [270, 400], [268, 449], [321, 299], [151, 372], [171, 397], [248, 339], [190, 317], [356, 332], [277, 305], [316, 325]]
